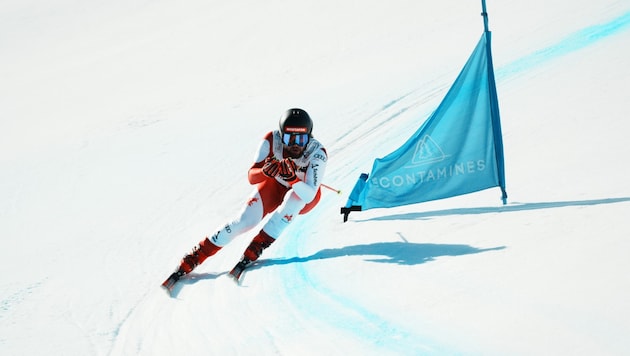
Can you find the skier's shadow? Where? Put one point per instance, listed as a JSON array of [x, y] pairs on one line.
[[401, 253]]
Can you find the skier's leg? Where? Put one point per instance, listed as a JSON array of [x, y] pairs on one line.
[[258, 244], [199, 254], [279, 220], [251, 214], [249, 217]]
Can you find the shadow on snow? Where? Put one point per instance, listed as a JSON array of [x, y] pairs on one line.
[[402, 253], [499, 209]]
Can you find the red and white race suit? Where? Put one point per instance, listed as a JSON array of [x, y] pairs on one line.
[[282, 199]]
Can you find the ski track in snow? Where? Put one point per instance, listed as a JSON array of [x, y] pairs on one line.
[[578, 40], [18, 297]]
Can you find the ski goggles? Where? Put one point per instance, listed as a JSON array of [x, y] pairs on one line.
[[291, 139]]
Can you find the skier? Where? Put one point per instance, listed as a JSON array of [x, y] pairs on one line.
[[287, 172]]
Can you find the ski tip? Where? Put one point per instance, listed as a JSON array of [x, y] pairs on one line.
[[169, 283], [237, 272], [235, 277], [167, 290], [232, 278]]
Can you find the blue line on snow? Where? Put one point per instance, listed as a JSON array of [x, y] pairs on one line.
[[345, 314], [573, 42]]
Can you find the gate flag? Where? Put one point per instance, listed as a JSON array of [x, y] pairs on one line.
[[458, 150]]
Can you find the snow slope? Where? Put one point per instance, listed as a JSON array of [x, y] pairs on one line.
[[126, 129]]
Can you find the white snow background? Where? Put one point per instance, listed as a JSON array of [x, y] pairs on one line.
[[127, 128]]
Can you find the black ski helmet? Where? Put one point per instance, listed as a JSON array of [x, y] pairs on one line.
[[296, 121]]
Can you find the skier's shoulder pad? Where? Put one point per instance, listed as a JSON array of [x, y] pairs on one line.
[[315, 150]]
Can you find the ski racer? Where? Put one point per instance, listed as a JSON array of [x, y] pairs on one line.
[[288, 169]]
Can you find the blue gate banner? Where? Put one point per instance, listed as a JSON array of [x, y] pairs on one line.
[[458, 149]]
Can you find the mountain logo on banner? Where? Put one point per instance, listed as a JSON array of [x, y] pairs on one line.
[[427, 151]]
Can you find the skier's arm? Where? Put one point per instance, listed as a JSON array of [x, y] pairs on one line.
[[255, 174], [307, 189]]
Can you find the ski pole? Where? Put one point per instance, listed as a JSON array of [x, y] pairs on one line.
[[331, 188]]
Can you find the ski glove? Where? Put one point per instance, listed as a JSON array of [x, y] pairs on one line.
[[271, 167], [287, 170]]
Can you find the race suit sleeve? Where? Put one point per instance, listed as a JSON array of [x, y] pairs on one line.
[[255, 174], [307, 189]]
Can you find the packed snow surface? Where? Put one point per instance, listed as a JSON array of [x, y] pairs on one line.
[[127, 128]]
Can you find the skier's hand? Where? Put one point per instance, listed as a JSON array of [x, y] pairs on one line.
[[287, 169], [271, 167]]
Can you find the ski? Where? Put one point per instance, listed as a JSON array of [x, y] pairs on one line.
[[169, 283], [237, 272]]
